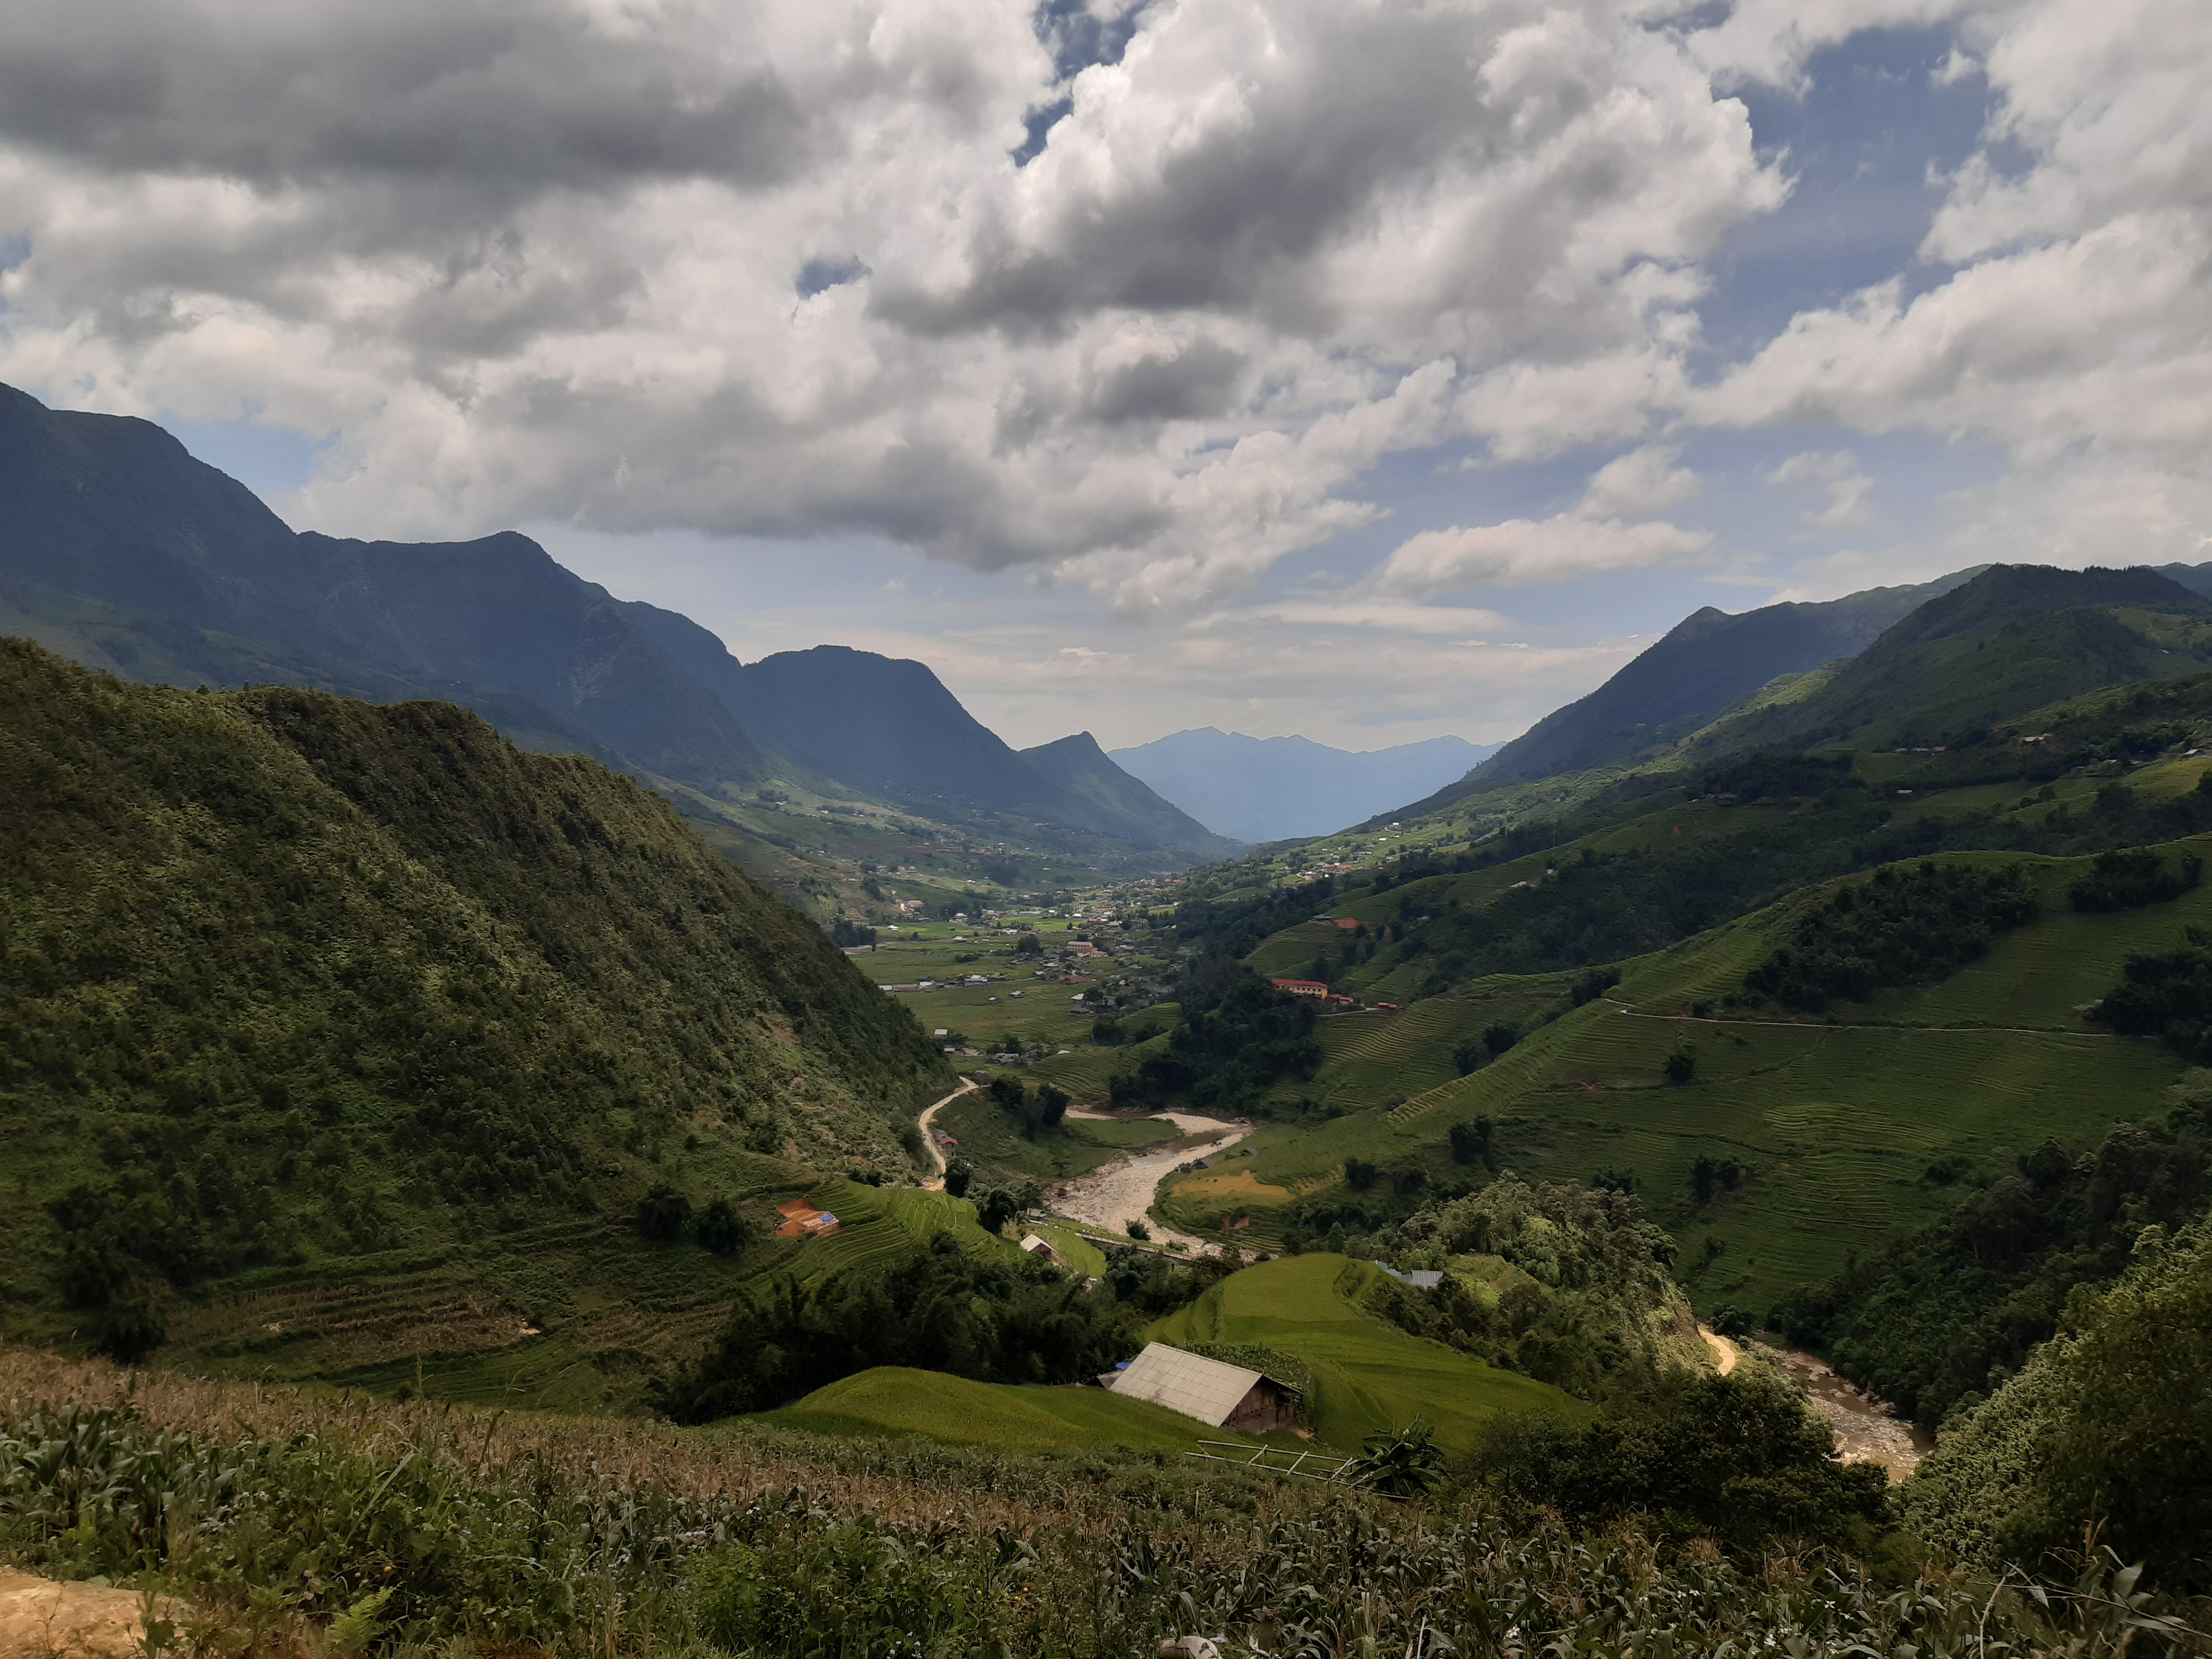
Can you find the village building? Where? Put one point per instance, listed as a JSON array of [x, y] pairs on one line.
[[1224, 1395], [1303, 987], [802, 1220], [1039, 1247]]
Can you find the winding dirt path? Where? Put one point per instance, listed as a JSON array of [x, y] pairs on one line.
[[936, 1184], [1115, 1194], [1725, 1353]]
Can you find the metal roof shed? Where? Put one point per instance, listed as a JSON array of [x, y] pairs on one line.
[[1223, 1396]]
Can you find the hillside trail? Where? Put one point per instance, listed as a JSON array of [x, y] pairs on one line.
[[936, 1184], [40, 1619], [1112, 1196], [1725, 1353]]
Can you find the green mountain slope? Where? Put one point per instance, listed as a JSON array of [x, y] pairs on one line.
[[1833, 1122], [2017, 638], [291, 980], [1707, 662]]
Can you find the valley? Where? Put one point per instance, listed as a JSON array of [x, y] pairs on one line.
[[1568, 1097]]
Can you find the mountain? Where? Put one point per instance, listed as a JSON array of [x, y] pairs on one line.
[[1271, 788], [1707, 662], [888, 727], [120, 550], [1086, 778], [2013, 639], [197, 576], [290, 977]]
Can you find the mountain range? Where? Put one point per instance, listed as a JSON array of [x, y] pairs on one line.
[[119, 550], [1734, 673], [1262, 789]]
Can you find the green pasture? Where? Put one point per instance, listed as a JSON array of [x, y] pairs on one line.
[[893, 1400], [1371, 1376]]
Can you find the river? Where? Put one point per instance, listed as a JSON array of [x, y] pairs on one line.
[[1111, 1196]]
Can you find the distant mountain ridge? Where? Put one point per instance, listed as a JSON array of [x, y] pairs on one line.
[[1263, 789], [1705, 663], [119, 549]]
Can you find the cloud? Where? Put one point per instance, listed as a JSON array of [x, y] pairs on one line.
[[773, 270], [2064, 310], [1644, 481], [1605, 530], [1838, 473]]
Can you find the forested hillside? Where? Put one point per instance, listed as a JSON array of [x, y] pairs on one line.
[[289, 978]]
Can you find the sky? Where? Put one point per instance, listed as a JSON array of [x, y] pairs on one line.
[[1362, 369]]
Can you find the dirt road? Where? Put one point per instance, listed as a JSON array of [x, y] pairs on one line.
[[1725, 1353], [936, 1184], [1111, 1197]]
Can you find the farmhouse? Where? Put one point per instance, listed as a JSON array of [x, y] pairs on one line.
[[1227, 1396], [1041, 1249], [802, 1220], [1303, 987]]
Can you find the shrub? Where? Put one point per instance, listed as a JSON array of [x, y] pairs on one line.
[[1900, 928], [721, 1228], [664, 1213], [2128, 880]]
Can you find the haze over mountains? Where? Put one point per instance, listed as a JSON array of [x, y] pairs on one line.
[[1270, 788], [119, 550]]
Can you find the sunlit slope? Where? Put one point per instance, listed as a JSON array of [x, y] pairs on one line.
[[896, 1400], [1836, 1120], [1371, 1375]]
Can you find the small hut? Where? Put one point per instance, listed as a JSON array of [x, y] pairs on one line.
[[1040, 1248], [1223, 1396]]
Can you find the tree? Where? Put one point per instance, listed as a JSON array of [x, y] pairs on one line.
[[664, 1213], [1466, 1056], [1472, 1143], [1681, 1065], [1703, 1174], [1320, 970], [846, 934], [721, 1228], [1500, 1038], [957, 1175], [1358, 1174], [1137, 1231], [1029, 945], [995, 1209], [1053, 1104]]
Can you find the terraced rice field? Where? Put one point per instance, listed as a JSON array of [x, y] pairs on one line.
[[1835, 1121], [894, 1400], [1371, 1376]]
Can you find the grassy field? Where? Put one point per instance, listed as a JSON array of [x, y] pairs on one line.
[[1837, 1123], [893, 1400], [1371, 1376]]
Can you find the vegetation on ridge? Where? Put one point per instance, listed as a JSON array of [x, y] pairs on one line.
[[288, 977]]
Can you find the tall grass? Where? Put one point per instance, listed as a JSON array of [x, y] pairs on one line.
[[392, 1526]]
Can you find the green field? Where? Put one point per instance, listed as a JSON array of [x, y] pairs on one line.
[[1836, 1120], [894, 1400], [1371, 1376]]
